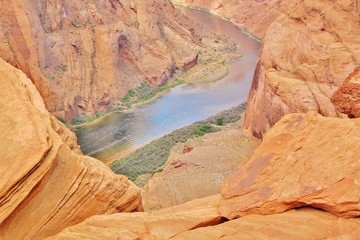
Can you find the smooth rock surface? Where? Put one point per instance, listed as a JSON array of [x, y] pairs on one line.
[[201, 222], [300, 224], [304, 160], [46, 183], [163, 224]]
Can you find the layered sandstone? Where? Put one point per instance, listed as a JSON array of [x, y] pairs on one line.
[[253, 16], [199, 220], [46, 183], [305, 57], [304, 160], [84, 56]]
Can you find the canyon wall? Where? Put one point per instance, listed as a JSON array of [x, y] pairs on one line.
[[309, 49], [301, 182], [46, 183], [253, 16], [305, 58], [85, 56]]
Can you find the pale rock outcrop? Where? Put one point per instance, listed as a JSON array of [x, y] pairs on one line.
[[200, 172], [306, 55], [46, 183], [304, 160], [83, 56]]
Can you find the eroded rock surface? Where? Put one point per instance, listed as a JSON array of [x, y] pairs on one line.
[[46, 183], [199, 220], [83, 56], [347, 97], [304, 160], [306, 55], [162, 224], [253, 16]]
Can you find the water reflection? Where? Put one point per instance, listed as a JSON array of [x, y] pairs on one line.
[[181, 106]]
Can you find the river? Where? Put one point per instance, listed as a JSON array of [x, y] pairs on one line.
[[118, 133]]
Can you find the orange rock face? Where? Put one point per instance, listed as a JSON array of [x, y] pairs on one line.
[[46, 183], [254, 16], [304, 160], [163, 224], [305, 57], [199, 220], [347, 97], [84, 56]]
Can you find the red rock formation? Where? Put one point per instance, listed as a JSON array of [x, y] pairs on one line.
[[46, 183], [83, 56], [347, 97], [306, 56]]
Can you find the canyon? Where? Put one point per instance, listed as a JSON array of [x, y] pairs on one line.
[[302, 181], [309, 49], [83, 57]]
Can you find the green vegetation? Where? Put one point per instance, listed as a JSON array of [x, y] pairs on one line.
[[63, 67], [74, 25], [202, 130], [83, 118], [219, 121], [150, 158], [144, 92]]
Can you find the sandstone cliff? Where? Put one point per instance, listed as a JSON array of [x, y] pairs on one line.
[[84, 56], [253, 16], [304, 161], [46, 183], [309, 49], [305, 57]]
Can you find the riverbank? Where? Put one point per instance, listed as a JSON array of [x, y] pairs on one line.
[[224, 17], [112, 134], [147, 160], [198, 167]]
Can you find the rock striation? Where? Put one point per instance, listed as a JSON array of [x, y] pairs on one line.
[[301, 182], [253, 16], [84, 56], [46, 183], [306, 56], [304, 160], [309, 49]]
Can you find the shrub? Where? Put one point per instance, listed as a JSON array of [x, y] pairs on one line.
[[219, 121], [202, 130]]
